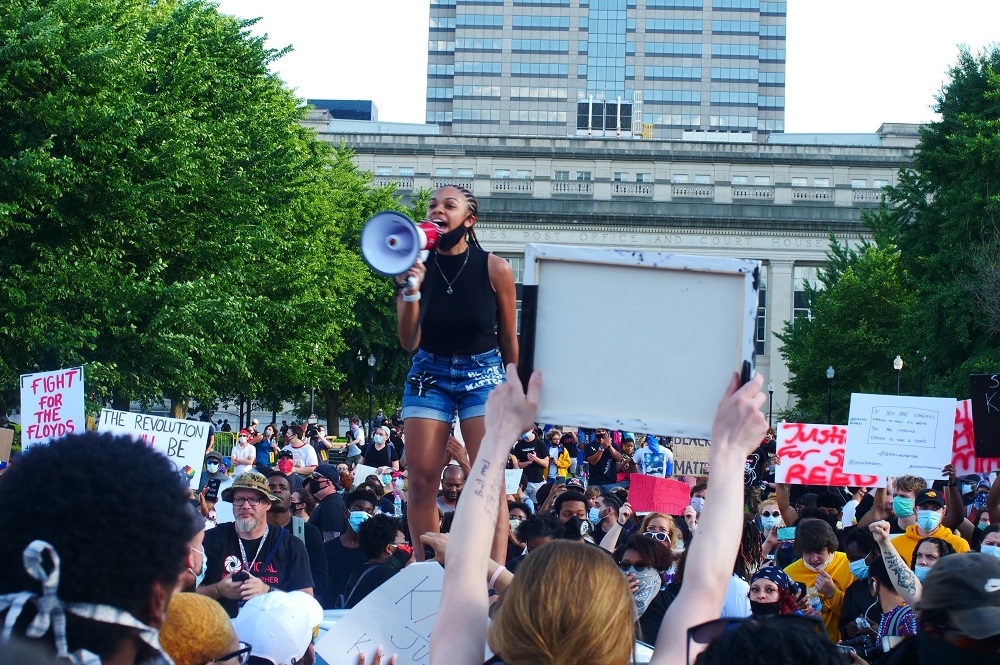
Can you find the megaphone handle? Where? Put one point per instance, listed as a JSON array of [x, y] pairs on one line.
[[411, 282]]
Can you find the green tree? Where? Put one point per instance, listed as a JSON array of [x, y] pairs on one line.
[[857, 325]]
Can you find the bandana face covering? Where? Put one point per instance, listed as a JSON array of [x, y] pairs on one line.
[[51, 611], [649, 583]]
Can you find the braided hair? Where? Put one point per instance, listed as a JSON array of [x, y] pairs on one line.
[[473, 210]]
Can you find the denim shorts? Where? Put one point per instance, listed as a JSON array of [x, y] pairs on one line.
[[437, 385]]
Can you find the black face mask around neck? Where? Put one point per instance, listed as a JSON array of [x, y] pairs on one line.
[[451, 238]]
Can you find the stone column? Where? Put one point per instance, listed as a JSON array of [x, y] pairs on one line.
[[779, 310]]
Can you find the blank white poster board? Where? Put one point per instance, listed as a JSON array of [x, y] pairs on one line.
[[636, 341]]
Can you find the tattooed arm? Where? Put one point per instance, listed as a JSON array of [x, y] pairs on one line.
[[459, 634], [903, 579]]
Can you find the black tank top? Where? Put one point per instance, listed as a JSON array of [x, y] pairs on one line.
[[464, 321]]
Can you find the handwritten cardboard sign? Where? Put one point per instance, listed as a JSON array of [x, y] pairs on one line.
[[512, 479], [814, 455], [649, 494], [182, 441], [690, 456], [986, 413], [6, 443], [398, 615], [963, 454], [893, 435], [51, 405]]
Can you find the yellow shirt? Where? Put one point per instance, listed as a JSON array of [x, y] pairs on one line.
[[906, 543], [840, 570]]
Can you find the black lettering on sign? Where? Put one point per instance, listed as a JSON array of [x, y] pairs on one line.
[[986, 413]]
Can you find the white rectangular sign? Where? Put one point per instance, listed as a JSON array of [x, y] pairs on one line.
[[398, 616], [362, 471], [182, 441], [51, 405], [512, 478], [892, 435]]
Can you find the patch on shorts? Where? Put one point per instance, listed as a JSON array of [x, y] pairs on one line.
[[488, 376], [422, 382]]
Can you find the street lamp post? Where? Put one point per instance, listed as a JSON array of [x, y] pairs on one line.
[[770, 401], [371, 383], [897, 365], [829, 394]]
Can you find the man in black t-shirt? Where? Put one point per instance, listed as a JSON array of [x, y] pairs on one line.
[[279, 515], [344, 554], [249, 558], [603, 458], [328, 516], [380, 539], [379, 453], [533, 456]]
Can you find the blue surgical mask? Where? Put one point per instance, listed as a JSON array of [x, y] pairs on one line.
[[386, 478], [768, 523], [697, 503], [992, 550], [200, 577], [377, 438], [859, 569], [902, 507], [921, 572], [928, 520], [356, 518], [594, 515]]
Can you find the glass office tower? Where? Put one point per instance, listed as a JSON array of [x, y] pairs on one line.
[[606, 68]]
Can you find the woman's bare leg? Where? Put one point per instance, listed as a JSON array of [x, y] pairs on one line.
[[425, 444]]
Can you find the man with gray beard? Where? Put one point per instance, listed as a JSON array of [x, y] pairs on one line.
[[249, 558]]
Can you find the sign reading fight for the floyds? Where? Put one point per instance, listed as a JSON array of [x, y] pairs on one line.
[[182, 441], [51, 405]]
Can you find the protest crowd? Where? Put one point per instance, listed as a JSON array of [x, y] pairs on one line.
[[558, 544]]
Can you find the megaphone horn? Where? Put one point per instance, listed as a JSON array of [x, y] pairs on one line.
[[391, 242]]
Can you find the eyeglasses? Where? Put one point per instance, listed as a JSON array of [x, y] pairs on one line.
[[705, 633], [252, 500], [656, 536], [770, 514], [242, 655]]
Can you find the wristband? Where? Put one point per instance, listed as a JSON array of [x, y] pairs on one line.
[[414, 298], [496, 574]]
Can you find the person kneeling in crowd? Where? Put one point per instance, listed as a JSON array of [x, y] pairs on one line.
[[381, 540]]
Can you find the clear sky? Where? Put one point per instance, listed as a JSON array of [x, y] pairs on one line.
[[851, 64]]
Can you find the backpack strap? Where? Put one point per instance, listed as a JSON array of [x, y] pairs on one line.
[[299, 528], [371, 567]]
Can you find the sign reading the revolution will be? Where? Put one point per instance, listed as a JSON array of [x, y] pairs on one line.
[[182, 441]]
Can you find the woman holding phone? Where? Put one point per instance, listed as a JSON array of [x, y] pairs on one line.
[[459, 319]]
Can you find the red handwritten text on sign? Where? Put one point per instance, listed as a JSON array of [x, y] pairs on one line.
[[649, 494], [963, 451], [51, 404], [814, 455]]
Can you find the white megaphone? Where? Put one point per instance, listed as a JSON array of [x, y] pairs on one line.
[[391, 242]]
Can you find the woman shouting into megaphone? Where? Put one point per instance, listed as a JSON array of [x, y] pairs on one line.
[[457, 311]]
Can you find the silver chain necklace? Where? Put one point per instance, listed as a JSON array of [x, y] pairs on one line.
[[449, 291]]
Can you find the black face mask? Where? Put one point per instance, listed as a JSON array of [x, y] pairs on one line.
[[574, 529], [449, 239], [765, 609], [313, 486]]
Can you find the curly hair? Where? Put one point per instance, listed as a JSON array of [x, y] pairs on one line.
[[118, 515], [786, 643], [651, 551], [749, 558], [377, 533], [363, 493], [536, 526], [944, 548]]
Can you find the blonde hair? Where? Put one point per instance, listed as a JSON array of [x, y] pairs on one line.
[[569, 603], [766, 502], [909, 484], [196, 629], [672, 531]]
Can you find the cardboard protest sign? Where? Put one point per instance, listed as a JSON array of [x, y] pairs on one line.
[[182, 441], [362, 471], [398, 615], [814, 455], [649, 494], [963, 454], [512, 478], [51, 405], [690, 456], [986, 413], [893, 435], [6, 441]]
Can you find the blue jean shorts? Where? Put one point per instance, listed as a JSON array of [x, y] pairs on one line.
[[437, 385]]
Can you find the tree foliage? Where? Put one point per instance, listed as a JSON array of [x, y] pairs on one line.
[[926, 288], [165, 219]]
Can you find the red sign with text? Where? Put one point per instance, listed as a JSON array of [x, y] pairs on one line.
[[814, 455], [649, 494], [963, 452]]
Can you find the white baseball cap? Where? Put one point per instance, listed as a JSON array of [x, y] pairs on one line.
[[279, 625]]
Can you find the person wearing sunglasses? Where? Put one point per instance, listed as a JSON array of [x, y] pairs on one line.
[[579, 581], [643, 561], [247, 557], [197, 631]]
